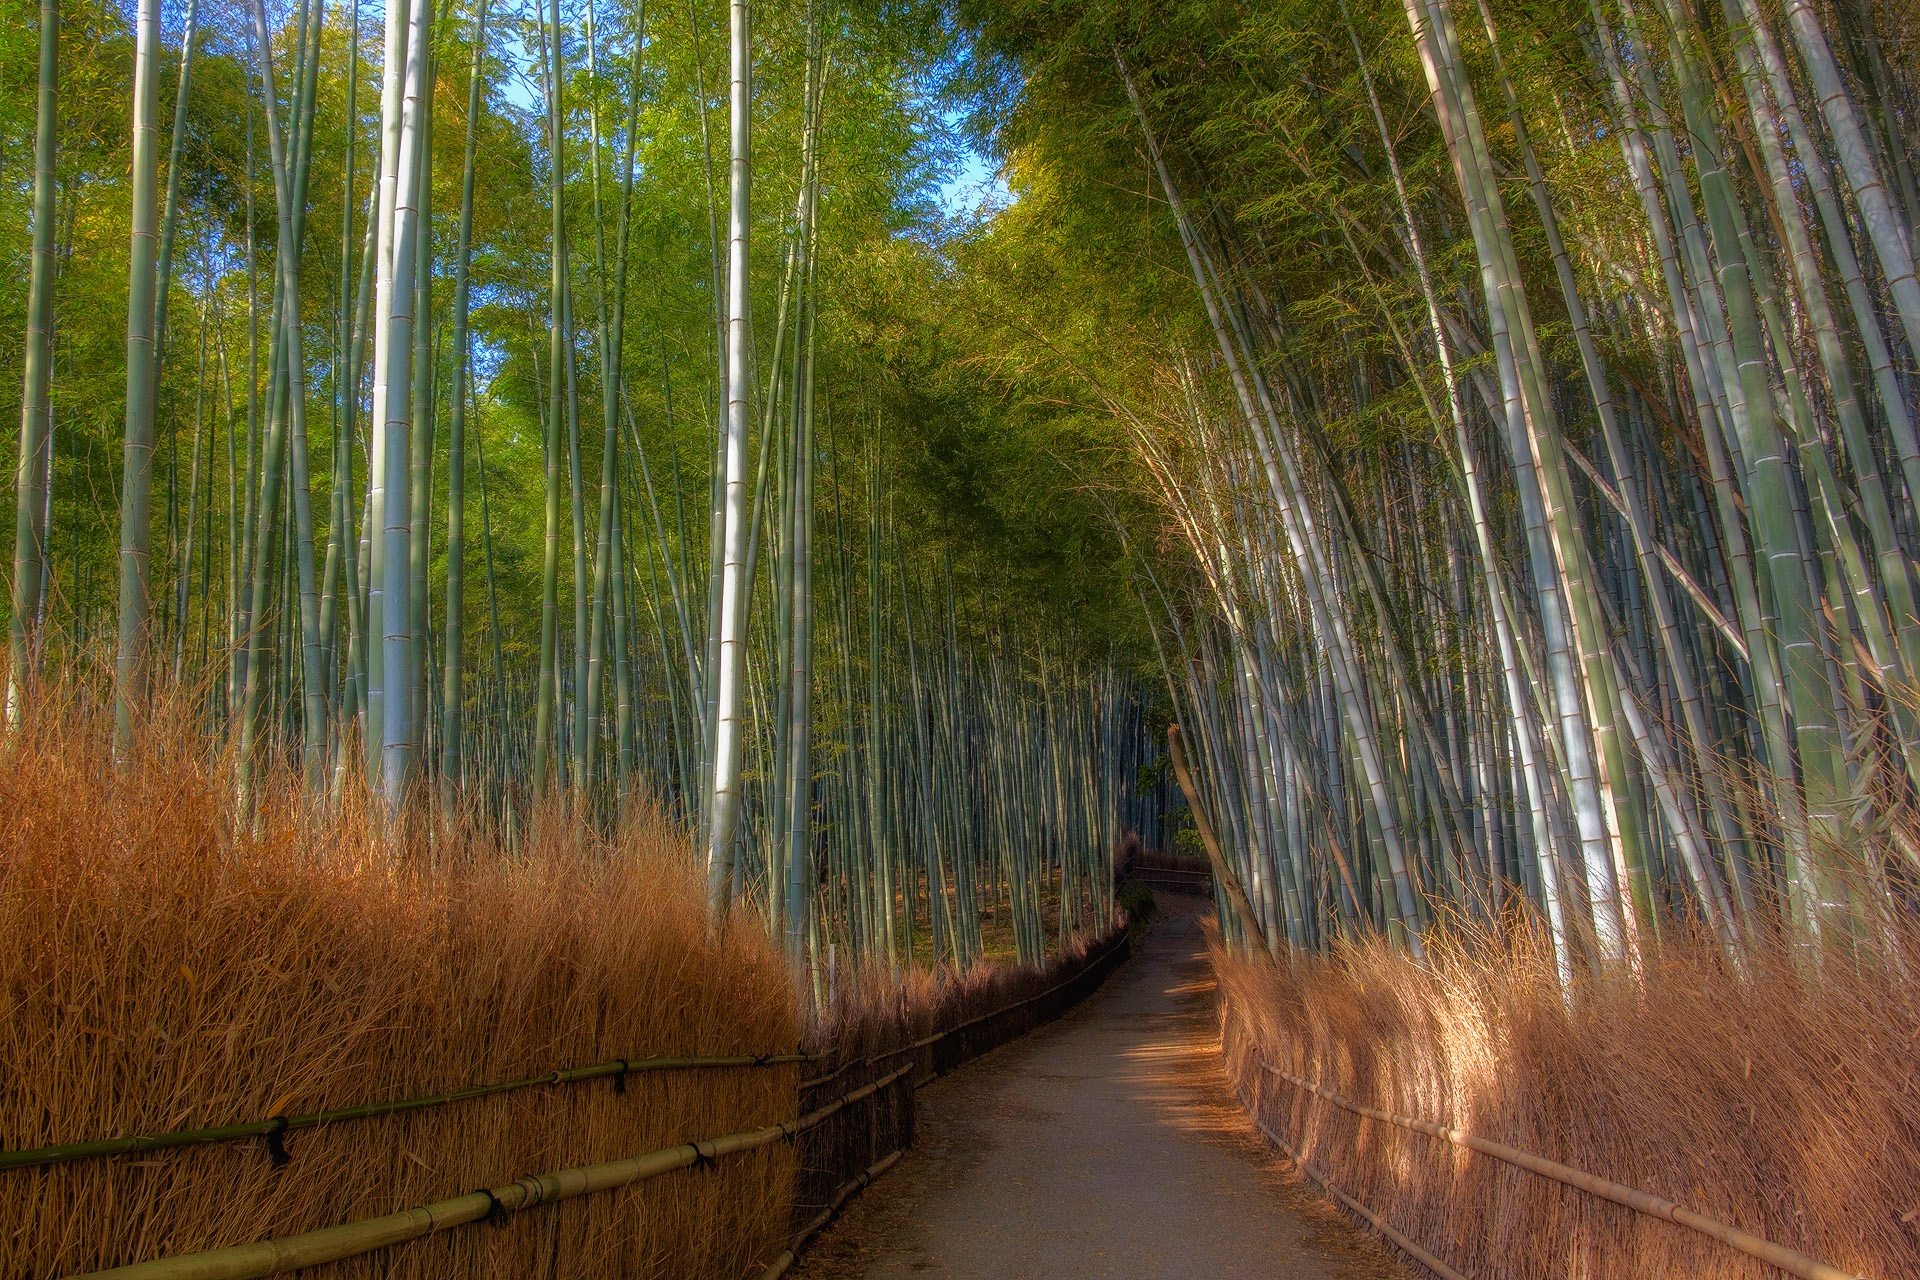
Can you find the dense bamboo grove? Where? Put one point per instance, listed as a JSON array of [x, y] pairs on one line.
[[1533, 443], [1468, 454], [1489, 434], [494, 419]]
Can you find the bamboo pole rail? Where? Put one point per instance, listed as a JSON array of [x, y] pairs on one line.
[[1405, 1243], [859, 1182], [1099, 963], [1792, 1261], [275, 1127], [347, 1240]]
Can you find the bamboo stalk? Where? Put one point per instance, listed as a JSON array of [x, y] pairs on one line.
[[31, 489]]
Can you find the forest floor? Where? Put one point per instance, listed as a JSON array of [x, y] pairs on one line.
[[1105, 1144]]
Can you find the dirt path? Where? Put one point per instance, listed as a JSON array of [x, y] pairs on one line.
[[1107, 1144]]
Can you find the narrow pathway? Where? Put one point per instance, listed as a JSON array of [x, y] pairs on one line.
[[1106, 1144]]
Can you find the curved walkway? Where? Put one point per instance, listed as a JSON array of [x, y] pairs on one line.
[[1106, 1144]]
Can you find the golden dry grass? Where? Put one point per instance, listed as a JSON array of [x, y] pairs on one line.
[[1783, 1103], [875, 1010], [160, 970]]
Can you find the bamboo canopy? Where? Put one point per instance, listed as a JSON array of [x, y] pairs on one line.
[[1489, 434]]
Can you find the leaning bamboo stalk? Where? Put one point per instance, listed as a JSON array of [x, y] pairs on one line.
[[1631, 506], [708, 676], [1304, 541], [735, 590], [286, 440], [1236, 892], [1885, 228], [346, 393], [577, 525], [1581, 678], [183, 586], [612, 392]]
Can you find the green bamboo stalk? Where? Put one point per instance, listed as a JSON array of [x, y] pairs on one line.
[[1677, 666], [1587, 740], [341, 549], [723, 826], [1338, 649], [452, 697], [170, 210], [544, 719], [389, 364], [397, 737], [1885, 227], [420, 442], [612, 345], [30, 486], [184, 585], [136, 475]]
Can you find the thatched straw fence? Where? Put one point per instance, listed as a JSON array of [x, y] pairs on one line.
[[303, 1041], [162, 970], [1693, 1121]]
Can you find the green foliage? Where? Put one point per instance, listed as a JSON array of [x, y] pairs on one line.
[[1137, 900]]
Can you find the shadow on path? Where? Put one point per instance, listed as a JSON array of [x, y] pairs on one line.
[[1105, 1144]]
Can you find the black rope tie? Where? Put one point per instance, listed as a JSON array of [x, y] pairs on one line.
[[620, 1077], [701, 1160], [497, 1213], [276, 1136]]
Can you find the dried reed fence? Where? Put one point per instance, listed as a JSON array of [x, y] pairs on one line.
[[1782, 1104], [160, 970], [395, 1022]]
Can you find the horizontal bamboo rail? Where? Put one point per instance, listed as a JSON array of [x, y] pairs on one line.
[[1095, 965], [1174, 880], [346, 1240], [1792, 1261], [862, 1180], [332, 1244], [275, 1127], [1406, 1244], [1152, 869]]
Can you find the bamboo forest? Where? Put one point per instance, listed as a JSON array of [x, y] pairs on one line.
[[604, 594]]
